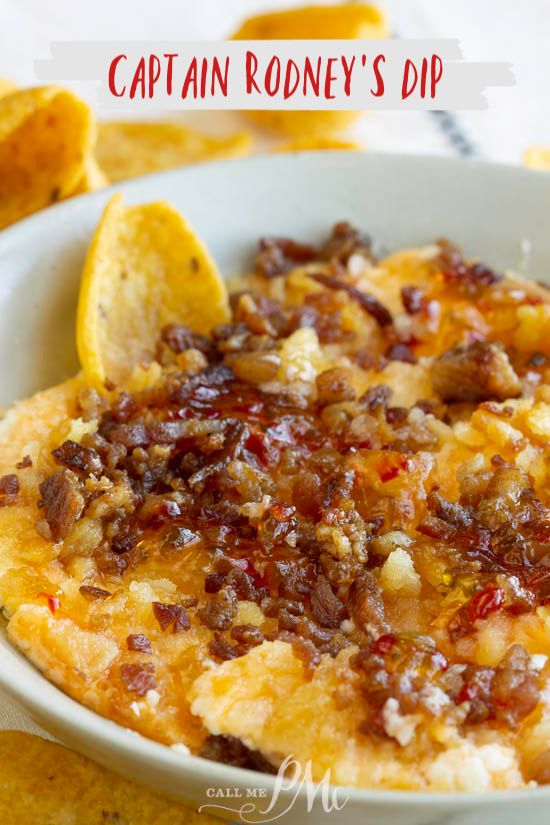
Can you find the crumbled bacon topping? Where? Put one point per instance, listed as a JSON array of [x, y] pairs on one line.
[[139, 643], [9, 489], [298, 495], [171, 615], [138, 678]]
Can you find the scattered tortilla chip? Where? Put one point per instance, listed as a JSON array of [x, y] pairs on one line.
[[347, 21], [46, 135], [43, 782], [537, 157], [6, 87], [145, 268], [309, 143], [125, 150], [94, 178]]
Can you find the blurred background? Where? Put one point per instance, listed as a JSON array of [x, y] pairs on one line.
[[518, 32]]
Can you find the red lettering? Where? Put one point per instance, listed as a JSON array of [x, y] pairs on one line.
[[347, 74], [314, 80], [154, 72], [436, 73], [406, 90], [138, 79], [169, 70], [272, 87], [219, 77], [190, 80], [112, 70], [329, 78], [379, 91], [251, 68], [204, 73], [423, 76], [291, 65]]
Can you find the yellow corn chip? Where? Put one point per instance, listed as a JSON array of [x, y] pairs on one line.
[[537, 157], [45, 783], [145, 268], [309, 143], [347, 21], [93, 178], [46, 135], [6, 87], [125, 150]]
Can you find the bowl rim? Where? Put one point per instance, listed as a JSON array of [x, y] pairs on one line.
[[68, 714]]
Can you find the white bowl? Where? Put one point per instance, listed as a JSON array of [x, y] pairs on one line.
[[497, 213]]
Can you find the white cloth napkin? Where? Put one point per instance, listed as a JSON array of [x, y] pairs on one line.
[[490, 30]]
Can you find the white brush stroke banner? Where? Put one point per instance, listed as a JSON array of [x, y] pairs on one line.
[[397, 74]]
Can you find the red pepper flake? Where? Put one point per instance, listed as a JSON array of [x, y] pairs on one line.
[[282, 512], [174, 615], [388, 473], [258, 578], [139, 643], [53, 602], [467, 693], [384, 643], [138, 678], [485, 602]]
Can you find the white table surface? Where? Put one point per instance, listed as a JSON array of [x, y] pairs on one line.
[[518, 32]]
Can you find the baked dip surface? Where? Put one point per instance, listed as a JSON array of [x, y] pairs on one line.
[[321, 530]]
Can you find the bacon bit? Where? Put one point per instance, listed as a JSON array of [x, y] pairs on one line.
[[138, 678], [53, 601], [277, 256], [93, 593], [411, 297], [485, 602], [171, 614], [9, 489], [220, 648], [368, 302], [384, 643], [138, 642], [81, 459], [401, 352], [25, 462]]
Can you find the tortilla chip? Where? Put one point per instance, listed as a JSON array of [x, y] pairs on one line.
[[347, 21], [6, 87], [46, 135], [125, 150], [93, 178], [43, 782], [537, 157], [306, 144], [145, 268]]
